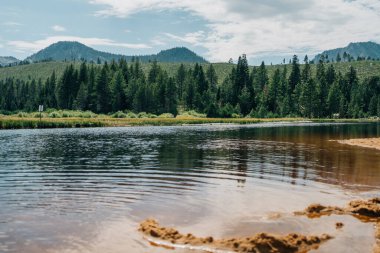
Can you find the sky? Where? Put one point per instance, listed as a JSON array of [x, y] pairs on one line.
[[218, 30]]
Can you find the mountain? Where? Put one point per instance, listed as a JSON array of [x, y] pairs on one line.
[[66, 50], [70, 51], [6, 60], [178, 54], [355, 50]]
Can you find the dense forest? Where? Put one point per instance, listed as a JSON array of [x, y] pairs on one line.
[[120, 86]]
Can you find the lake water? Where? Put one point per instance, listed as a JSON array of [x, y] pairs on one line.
[[86, 190]]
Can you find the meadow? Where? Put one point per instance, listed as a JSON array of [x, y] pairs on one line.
[[79, 119], [43, 70]]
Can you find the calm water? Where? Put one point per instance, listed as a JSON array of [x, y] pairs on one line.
[[86, 190]]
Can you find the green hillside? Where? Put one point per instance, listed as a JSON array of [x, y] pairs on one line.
[[43, 70], [363, 50], [75, 51]]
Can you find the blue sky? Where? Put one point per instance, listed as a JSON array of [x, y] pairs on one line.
[[217, 29]]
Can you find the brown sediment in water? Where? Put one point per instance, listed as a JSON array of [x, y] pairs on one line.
[[365, 210], [259, 243], [339, 225], [365, 143]]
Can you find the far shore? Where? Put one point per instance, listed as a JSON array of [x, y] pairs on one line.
[[373, 143], [14, 122]]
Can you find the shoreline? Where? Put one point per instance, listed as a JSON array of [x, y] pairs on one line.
[[373, 143], [11, 122], [365, 211]]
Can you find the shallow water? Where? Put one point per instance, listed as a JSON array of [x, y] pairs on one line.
[[86, 190]]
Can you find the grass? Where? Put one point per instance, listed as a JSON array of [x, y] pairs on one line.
[[45, 69], [76, 120], [9, 122]]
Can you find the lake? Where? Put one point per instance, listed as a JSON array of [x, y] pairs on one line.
[[86, 190]]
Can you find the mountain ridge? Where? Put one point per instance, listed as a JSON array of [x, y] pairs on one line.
[[353, 50], [6, 60], [73, 50]]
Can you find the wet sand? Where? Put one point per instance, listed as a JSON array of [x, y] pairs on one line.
[[364, 210], [263, 242], [367, 211], [365, 143]]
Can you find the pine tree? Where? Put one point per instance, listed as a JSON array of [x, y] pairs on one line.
[[180, 80], [65, 92], [212, 78], [103, 91], [295, 74], [245, 101], [274, 92], [171, 97], [308, 99], [338, 58], [81, 102], [322, 89], [118, 86], [240, 78], [334, 99]]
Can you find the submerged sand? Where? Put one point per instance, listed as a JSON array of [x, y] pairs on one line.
[[365, 143], [263, 242], [364, 210]]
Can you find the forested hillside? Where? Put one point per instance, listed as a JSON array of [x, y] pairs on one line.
[[75, 51], [352, 52], [318, 90], [44, 69], [6, 60]]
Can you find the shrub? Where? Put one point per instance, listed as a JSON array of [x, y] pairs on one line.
[[193, 113], [65, 114], [131, 115], [55, 115], [166, 116], [119, 115], [22, 115], [142, 115], [88, 115]]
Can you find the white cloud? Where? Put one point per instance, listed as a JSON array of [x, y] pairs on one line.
[[58, 28], [11, 23], [158, 41], [195, 38], [27, 46], [127, 31], [1, 46], [264, 27]]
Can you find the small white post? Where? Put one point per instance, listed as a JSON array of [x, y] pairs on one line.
[[40, 109]]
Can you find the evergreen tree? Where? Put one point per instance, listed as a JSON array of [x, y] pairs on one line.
[[118, 86], [171, 97], [308, 99], [180, 80], [334, 99], [295, 74], [81, 102], [65, 92], [212, 78], [103, 91]]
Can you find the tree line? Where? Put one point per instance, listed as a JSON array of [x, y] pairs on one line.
[[121, 86]]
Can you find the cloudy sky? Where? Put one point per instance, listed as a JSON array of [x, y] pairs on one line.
[[216, 29]]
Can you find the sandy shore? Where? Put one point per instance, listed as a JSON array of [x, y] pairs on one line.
[[367, 211], [365, 143]]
